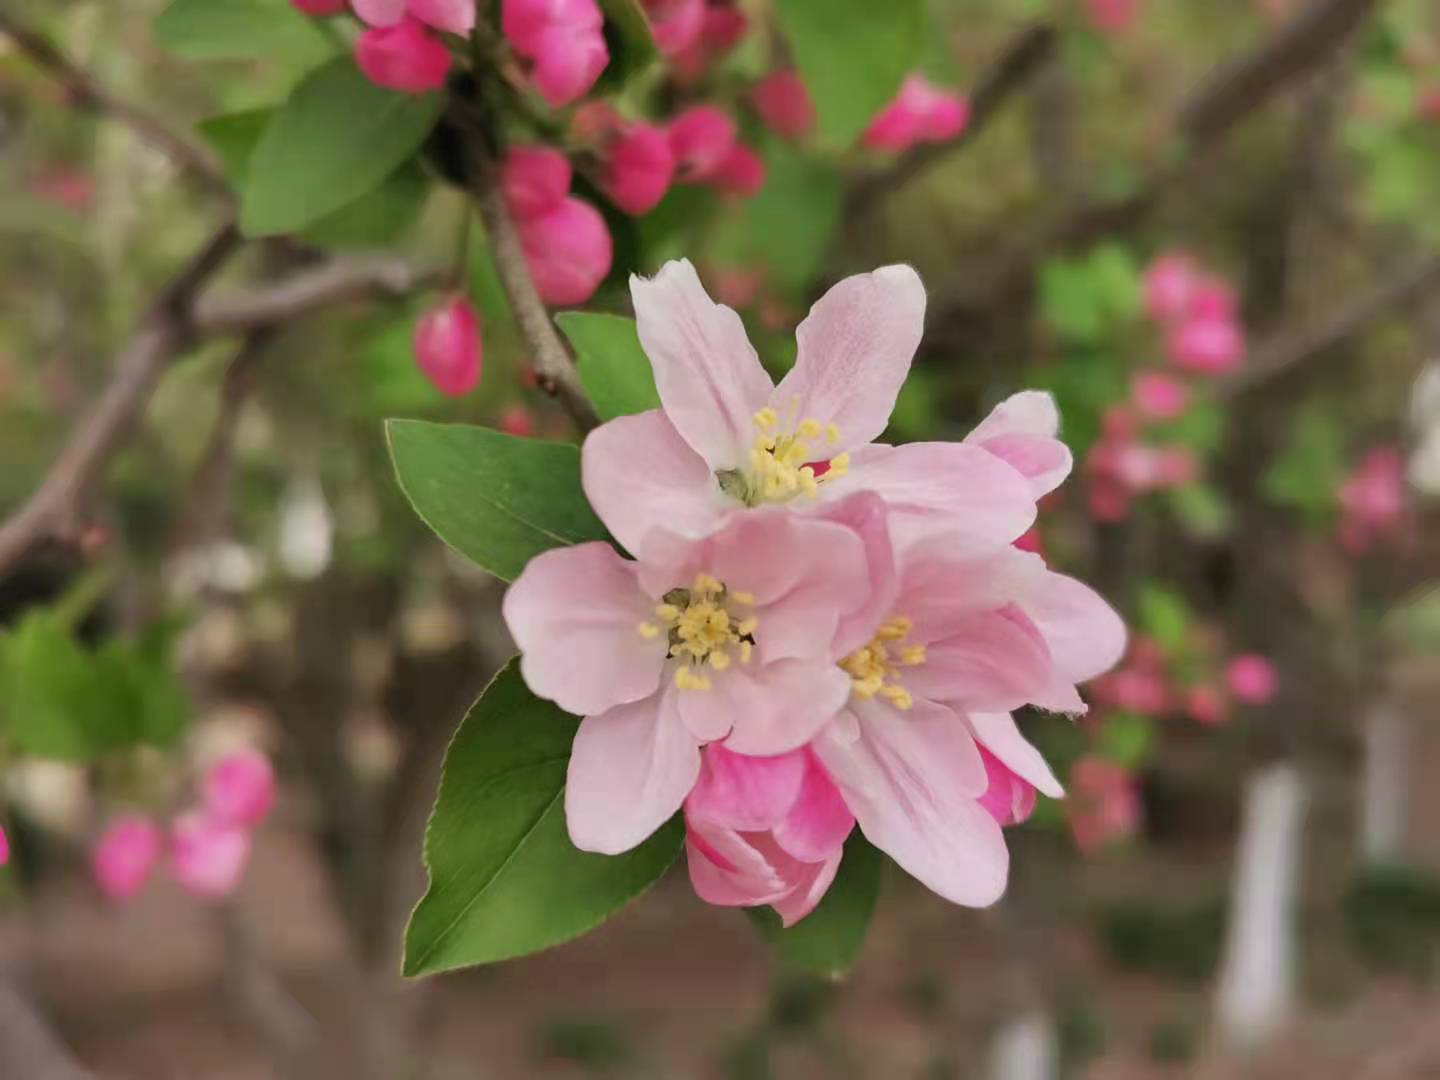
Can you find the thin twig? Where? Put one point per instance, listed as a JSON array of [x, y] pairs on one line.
[[86, 94]]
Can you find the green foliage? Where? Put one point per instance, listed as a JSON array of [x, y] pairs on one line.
[[1087, 300], [627, 35], [1200, 428], [1306, 474], [337, 138], [1392, 918], [504, 878], [612, 366], [1181, 943], [1126, 738], [240, 30], [1201, 509], [853, 55], [827, 941], [789, 227], [1164, 616], [497, 499], [1084, 384]]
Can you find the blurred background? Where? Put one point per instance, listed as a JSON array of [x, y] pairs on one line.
[[1210, 227]]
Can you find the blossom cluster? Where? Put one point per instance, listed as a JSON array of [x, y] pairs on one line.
[[205, 847], [814, 629]]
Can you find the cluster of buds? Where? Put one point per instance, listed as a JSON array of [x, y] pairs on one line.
[[1193, 681]]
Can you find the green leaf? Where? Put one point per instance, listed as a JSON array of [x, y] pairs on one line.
[[852, 55], [631, 45], [240, 30], [1308, 472], [613, 367], [1126, 738], [504, 878], [827, 941], [498, 499], [1202, 509], [234, 137], [789, 227], [1164, 616], [338, 137]]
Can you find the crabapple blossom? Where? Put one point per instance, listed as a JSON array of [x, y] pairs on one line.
[[1168, 286], [1251, 678], [639, 166], [920, 112], [239, 789], [404, 57], [701, 139], [207, 856], [1205, 705], [675, 24], [784, 104], [516, 420], [568, 249], [447, 344], [1207, 345], [562, 39], [1157, 396], [534, 179], [742, 173], [124, 855], [720, 31]]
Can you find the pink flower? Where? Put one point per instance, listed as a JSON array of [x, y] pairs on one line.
[[453, 16], [701, 139], [1158, 396], [319, 7], [1169, 287], [404, 57], [1251, 678], [764, 830], [675, 24], [1207, 346], [1213, 298], [921, 112], [1032, 541], [639, 166], [736, 286], [1372, 499], [721, 30], [568, 249], [1134, 689], [1009, 798], [125, 854], [448, 348], [1205, 705], [742, 173], [563, 41], [4, 847], [1112, 16], [516, 420], [207, 857], [534, 179], [1104, 805], [784, 104], [239, 789]]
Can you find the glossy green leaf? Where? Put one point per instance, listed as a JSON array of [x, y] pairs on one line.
[[504, 878], [631, 45], [337, 138], [240, 30], [828, 940], [613, 367], [496, 498], [853, 55], [789, 227]]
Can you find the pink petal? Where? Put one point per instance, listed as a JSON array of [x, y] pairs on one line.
[[998, 733], [784, 104], [568, 60], [380, 12], [673, 492], [867, 514], [239, 789], [807, 893], [404, 57], [767, 709], [743, 792], [568, 249], [534, 180], [207, 857], [855, 349], [989, 663], [725, 869], [709, 378], [1044, 461], [455, 16], [818, 822], [1030, 412], [941, 588], [575, 614], [913, 781], [125, 854], [630, 769], [1084, 634]]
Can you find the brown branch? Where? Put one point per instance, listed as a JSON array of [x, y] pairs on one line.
[[29, 1048], [86, 94], [1020, 61]]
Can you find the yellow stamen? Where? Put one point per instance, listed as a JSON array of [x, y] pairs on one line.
[[873, 668], [748, 599], [648, 630], [701, 629]]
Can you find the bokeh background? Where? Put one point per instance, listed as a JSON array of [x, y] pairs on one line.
[[1246, 878]]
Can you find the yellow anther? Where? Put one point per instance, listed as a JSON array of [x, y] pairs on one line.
[[704, 583], [701, 629], [648, 630], [895, 629], [747, 625], [832, 432], [873, 668], [686, 679], [839, 465], [719, 660], [809, 429], [745, 650], [668, 612], [897, 696], [766, 418], [745, 598], [912, 655]]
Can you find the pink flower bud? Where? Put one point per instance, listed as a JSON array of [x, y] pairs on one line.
[[721, 31], [406, 57], [1157, 396], [742, 173], [1169, 284], [453, 16], [675, 24], [523, 21], [380, 12], [1112, 16], [1175, 466], [1208, 346], [239, 789], [1104, 805], [736, 286], [701, 139], [516, 420], [448, 348], [534, 179], [569, 251], [639, 168], [4, 847], [920, 112], [319, 7], [1009, 798], [1205, 705], [1213, 298], [125, 854], [1251, 678], [567, 63], [207, 857], [784, 104]]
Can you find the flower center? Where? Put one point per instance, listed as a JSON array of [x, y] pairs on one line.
[[782, 465], [873, 668], [701, 629]]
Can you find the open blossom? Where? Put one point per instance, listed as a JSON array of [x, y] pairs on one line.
[[207, 856], [921, 112], [239, 789], [125, 854], [784, 104], [404, 57], [447, 346], [764, 830], [562, 39]]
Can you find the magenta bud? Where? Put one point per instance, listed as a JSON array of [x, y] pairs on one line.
[[447, 345], [406, 57]]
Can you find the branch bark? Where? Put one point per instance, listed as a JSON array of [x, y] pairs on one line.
[[28, 1046], [88, 95]]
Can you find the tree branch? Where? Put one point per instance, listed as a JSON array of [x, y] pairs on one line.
[[1020, 61], [86, 94], [28, 1046]]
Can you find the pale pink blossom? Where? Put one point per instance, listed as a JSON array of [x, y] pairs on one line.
[[1169, 286], [239, 789], [404, 57], [1207, 346], [701, 139], [1112, 16], [920, 112], [562, 39], [1372, 499], [452, 16], [1251, 678], [639, 166], [784, 104], [568, 249], [742, 173], [207, 857], [764, 830], [125, 854], [1104, 803], [1158, 396], [447, 346], [534, 179], [319, 7], [675, 24]]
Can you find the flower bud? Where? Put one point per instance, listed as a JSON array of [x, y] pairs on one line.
[[784, 104], [405, 57], [125, 854], [448, 348], [1207, 346], [639, 168], [675, 24], [207, 857], [516, 420], [1251, 678], [569, 250], [701, 138], [1169, 286], [742, 173], [567, 63], [1157, 396], [534, 179], [319, 7], [239, 789], [920, 112]]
